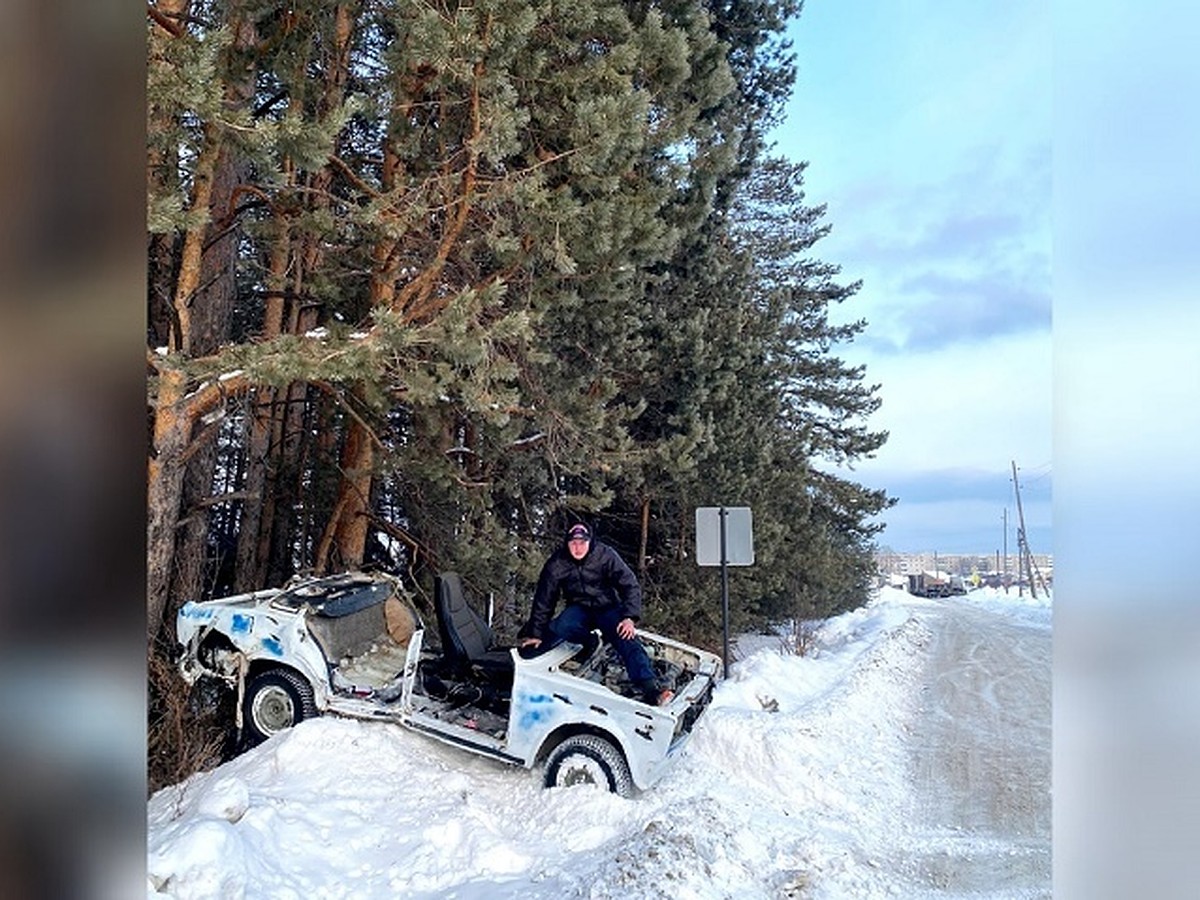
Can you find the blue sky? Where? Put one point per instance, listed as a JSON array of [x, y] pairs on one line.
[[927, 128]]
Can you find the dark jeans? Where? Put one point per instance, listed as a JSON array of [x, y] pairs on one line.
[[574, 623]]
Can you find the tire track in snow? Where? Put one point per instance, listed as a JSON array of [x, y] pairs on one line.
[[980, 761]]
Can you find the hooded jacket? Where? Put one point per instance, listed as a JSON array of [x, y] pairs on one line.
[[598, 581]]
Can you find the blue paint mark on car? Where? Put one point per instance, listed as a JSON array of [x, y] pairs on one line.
[[273, 644], [193, 610], [240, 623], [534, 708]]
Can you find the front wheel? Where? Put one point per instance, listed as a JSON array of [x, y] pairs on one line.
[[588, 759], [276, 700]]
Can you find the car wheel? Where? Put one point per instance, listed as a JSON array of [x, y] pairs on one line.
[[588, 759], [276, 700]]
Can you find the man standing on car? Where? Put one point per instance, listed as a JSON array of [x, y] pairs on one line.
[[601, 592]]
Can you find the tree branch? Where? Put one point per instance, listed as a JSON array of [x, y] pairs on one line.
[[355, 180], [163, 21]]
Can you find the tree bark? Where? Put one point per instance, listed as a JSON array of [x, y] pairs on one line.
[[254, 527], [175, 414], [212, 316], [288, 488], [172, 424], [645, 536], [345, 540], [201, 303], [164, 479], [191, 255]]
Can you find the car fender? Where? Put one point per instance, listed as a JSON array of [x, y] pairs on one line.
[[262, 636]]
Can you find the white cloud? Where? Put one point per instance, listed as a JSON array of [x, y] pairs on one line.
[[965, 406]]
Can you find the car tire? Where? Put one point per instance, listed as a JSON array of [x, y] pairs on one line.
[[588, 759], [275, 701]]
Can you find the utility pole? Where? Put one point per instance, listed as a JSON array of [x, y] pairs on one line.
[[1022, 544], [1004, 574]]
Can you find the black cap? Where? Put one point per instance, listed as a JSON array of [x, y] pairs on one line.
[[577, 531]]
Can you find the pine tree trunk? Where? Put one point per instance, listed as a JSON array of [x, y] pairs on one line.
[[287, 490], [645, 536], [212, 315], [191, 255], [201, 304], [345, 540], [191, 538], [176, 412], [160, 277], [287, 485], [172, 424], [247, 560], [255, 524], [163, 490]]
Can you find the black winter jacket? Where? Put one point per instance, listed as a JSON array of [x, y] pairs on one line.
[[598, 581]]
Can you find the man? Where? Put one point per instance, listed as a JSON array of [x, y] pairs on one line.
[[601, 592]]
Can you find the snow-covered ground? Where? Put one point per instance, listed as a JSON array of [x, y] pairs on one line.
[[861, 770]]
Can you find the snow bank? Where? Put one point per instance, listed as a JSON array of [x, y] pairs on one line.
[[789, 782]]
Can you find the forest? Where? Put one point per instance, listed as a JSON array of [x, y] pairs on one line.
[[427, 280]]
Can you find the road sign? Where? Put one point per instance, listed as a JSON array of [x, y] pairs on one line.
[[724, 537], [739, 536]]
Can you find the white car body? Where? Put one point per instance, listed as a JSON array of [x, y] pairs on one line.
[[324, 632]]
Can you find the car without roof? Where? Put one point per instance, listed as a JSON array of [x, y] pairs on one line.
[[353, 645]]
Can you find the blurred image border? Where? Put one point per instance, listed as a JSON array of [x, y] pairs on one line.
[[1127, 429], [73, 454], [72, 449]]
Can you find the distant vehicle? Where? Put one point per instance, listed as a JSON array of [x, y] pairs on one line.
[[353, 645], [925, 584]]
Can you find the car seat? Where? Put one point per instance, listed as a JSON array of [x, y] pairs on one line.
[[468, 646]]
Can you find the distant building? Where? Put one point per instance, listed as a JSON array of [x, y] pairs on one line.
[[992, 570]]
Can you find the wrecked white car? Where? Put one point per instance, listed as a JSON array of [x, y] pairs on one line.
[[353, 644]]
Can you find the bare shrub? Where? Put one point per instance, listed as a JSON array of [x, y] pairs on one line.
[[186, 729], [801, 638]]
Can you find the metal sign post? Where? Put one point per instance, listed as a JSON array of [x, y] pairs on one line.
[[729, 532], [724, 514]]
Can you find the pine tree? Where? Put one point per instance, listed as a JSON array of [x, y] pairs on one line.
[[428, 279], [745, 399], [421, 188]]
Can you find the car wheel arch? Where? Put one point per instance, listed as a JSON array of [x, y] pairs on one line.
[[551, 741]]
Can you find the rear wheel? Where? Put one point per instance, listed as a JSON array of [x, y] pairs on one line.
[[588, 759], [276, 700]]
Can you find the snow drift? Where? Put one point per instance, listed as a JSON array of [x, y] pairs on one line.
[[797, 783]]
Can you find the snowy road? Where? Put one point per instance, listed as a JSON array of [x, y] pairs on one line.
[[980, 757], [906, 756]]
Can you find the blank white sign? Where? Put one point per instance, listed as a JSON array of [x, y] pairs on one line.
[[739, 536]]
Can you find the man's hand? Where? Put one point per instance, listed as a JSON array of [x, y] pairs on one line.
[[626, 629], [530, 642]]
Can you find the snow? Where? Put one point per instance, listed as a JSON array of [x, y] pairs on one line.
[[797, 783], [531, 439]]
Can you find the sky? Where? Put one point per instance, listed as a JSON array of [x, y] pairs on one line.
[[797, 782], [927, 129]]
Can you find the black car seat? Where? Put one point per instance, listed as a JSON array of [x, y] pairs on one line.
[[468, 646]]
